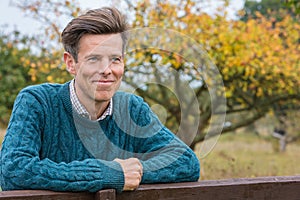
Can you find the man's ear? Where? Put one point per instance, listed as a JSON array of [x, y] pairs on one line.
[[70, 63]]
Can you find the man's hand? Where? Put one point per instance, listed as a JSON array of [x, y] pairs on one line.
[[133, 172]]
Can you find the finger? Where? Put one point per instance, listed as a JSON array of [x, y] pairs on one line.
[[117, 160], [141, 171], [140, 166]]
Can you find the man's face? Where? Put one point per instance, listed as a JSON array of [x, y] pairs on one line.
[[98, 72]]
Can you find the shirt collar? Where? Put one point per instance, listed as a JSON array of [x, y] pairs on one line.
[[80, 109]]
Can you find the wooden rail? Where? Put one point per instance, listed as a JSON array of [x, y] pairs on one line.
[[274, 188]]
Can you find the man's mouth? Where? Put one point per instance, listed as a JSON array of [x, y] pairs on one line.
[[104, 82]]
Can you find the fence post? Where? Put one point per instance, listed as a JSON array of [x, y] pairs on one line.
[[109, 194]]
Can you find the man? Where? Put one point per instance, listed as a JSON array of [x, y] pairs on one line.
[[84, 135]]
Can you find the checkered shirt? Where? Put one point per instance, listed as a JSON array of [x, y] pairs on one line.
[[81, 110]]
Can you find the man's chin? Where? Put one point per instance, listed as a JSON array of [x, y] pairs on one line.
[[103, 97]]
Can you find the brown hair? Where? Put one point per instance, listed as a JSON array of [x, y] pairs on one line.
[[104, 20]]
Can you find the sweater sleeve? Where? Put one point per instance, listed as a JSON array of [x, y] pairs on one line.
[[22, 168], [165, 158], [169, 162]]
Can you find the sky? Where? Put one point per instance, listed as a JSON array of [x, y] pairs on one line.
[[15, 18]]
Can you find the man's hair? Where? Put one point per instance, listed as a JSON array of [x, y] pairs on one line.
[[106, 20]]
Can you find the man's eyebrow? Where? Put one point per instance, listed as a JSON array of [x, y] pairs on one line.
[[93, 55], [116, 55]]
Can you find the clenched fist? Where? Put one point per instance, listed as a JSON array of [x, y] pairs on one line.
[[133, 172]]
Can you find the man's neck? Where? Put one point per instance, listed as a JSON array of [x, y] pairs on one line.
[[96, 109], [93, 107]]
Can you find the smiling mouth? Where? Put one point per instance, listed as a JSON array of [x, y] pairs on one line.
[[103, 82]]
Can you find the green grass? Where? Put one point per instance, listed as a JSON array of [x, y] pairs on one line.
[[247, 156], [2, 133]]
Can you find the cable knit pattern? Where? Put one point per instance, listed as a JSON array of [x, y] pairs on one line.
[[49, 146]]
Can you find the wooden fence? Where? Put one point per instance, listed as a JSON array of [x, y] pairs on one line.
[[273, 188]]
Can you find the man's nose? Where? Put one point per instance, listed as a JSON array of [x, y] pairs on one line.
[[104, 67]]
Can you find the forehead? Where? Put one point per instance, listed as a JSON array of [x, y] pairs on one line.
[[108, 43]]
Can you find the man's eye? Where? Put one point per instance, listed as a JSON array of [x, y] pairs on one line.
[[116, 60], [93, 59]]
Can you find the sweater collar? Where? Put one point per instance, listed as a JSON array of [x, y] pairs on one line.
[[64, 94]]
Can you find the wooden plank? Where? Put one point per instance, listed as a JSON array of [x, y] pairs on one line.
[[44, 194], [108, 194], [275, 188]]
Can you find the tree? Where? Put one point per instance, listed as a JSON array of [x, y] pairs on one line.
[[276, 11], [295, 4], [31, 60], [15, 70], [272, 9], [251, 56]]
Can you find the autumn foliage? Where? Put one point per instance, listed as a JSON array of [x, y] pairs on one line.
[[259, 59]]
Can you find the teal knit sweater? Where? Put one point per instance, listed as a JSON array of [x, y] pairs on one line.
[[48, 146]]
